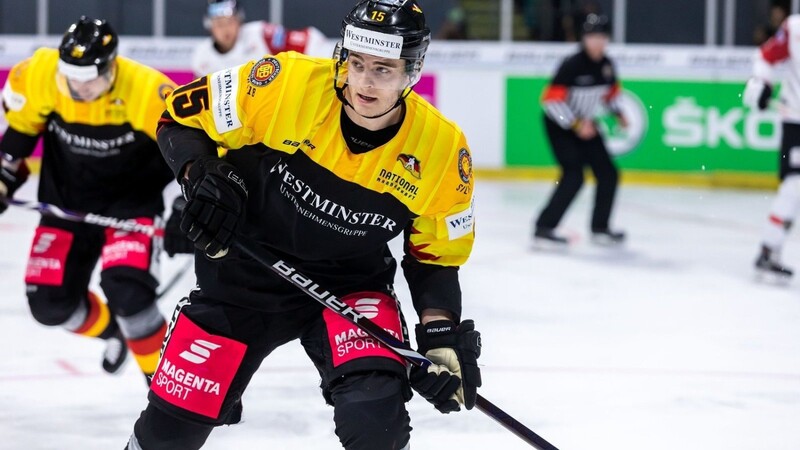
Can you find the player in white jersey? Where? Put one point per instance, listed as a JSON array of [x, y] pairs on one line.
[[233, 42], [782, 47]]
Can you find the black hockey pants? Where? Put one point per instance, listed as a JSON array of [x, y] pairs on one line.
[[573, 155], [369, 414]]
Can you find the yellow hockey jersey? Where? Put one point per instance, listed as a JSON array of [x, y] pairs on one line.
[[99, 156], [313, 200]]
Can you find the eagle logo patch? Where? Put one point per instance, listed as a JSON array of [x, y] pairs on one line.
[[411, 164]]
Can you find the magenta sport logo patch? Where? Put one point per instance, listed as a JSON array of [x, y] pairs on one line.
[[197, 368], [349, 342], [199, 351]]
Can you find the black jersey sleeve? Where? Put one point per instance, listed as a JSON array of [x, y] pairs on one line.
[[17, 145], [433, 286], [181, 144]]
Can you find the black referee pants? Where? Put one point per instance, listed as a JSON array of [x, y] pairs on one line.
[[573, 155]]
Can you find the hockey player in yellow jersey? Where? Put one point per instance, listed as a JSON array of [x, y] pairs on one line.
[[96, 114], [328, 160]]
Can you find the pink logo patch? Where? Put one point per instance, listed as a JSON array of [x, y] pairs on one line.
[[197, 368], [349, 342], [124, 248], [48, 256]]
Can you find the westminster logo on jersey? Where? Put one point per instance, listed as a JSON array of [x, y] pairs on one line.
[[411, 164]]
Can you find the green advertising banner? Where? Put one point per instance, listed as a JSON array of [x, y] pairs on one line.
[[678, 127]]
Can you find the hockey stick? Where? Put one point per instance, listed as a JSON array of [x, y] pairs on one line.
[[120, 224], [47, 209], [330, 301], [175, 278]]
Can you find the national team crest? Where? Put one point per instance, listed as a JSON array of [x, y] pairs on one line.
[[264, 71], [411, 164], [464, 165]]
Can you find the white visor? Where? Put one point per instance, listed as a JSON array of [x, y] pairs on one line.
[[372, 43], [221, 9], [78, 73]]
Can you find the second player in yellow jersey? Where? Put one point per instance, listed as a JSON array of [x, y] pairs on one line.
[[96, 115]]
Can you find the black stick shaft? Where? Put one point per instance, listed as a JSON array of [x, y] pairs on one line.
[[47, 209]]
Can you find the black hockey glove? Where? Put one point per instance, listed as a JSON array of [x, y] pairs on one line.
[[454, 377], [764, 98], [175, 240], [757, 93], [11, 180], [216, 197]]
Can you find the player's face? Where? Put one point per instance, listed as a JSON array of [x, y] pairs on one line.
[[374, 84], [89, 90], [86, 90], [225, 31], [595, 45]]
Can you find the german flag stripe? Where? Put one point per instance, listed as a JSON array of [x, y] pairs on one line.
[[149, 344], [98, 318]]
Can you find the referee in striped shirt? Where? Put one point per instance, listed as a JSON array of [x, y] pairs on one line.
[[583, 84]]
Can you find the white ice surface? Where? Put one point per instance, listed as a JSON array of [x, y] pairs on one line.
[[669, 343]]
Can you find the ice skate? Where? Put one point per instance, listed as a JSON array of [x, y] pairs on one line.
[[548, 239], [608, 237], [768, 264]]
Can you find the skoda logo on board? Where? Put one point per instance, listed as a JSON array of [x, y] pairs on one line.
[[620, 141]]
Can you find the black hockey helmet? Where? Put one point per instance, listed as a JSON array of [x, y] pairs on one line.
[[88, 43], [401, 18], [595, 23]]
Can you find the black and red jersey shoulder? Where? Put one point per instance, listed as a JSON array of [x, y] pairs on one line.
[[580, 87]]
